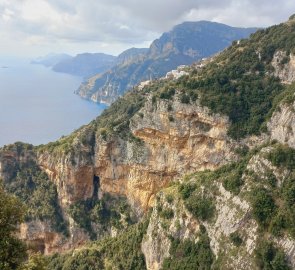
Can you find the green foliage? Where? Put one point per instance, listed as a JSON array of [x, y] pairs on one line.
[[268, 257], [35, 262], [263, 206], [238, 83], [233, 183], [120, 252], [201, 207], [236, 239], [186, 190], [33, 187], [166, 213], [12, 250], [167, 93], [200, 204], [282, 156], [184, 98], [109, 211], [187, 255], [231, 175]]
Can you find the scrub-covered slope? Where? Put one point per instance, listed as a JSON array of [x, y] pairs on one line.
[[211, 153]]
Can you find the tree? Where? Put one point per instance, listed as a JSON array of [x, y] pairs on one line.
[[12, 250], [36, 262]]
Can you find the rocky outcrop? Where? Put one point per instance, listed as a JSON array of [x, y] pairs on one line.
[[193, 140], [284, 66], [156, 243], [282, 124], [233, 215]]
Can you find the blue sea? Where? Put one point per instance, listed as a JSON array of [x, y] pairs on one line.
[[38, 105]]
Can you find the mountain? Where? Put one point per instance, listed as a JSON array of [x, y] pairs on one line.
[[131, 55], [51, 59], [86, 64], [190, 173], [183, 45]]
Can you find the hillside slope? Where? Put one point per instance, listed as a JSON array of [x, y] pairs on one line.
[[196, 172], [184, 44]]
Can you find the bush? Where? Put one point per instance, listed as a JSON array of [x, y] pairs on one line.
[[236, 239], [263, 206], [269, 257], [201, 207], [282, 156], [166, 214], [187, 255], [33, 187], [233, 183], [167, 93], [184, 99]]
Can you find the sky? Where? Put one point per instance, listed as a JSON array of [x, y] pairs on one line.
[[38, 27]]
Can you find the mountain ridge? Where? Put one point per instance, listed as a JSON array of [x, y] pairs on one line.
[[166, 53]]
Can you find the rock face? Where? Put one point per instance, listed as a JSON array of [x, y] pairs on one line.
[[156, 243], [282, 124], [192, 140], [284, 66], [232, 215]]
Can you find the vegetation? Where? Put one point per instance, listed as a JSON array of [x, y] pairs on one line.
[[263, 206], [273, 205], [268, 257], [109, 211], [121, 252], [12, 250], [188, 255], [35, 262], [33, 187], [238, 83], [199, 202], [236, 239], [283, 156]]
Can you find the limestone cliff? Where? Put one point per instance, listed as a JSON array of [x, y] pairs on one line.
[[138, 169], [233, 215]]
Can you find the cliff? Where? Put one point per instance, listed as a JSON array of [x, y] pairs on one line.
[[210, 154]]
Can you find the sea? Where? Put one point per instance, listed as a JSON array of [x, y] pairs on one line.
[[38, 105]]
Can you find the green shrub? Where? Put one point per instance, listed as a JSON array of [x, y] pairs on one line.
[[201, 207], [282, 156], [263, 206], [184, 98], [167, 93], [236, 239], [186, 190], [269, 257], [233, 183], [33, 187], [188, 255], [166, 213]]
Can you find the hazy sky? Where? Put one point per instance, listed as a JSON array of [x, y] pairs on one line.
[[37, 27]]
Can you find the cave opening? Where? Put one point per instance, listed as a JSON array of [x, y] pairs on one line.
[[96, 184]]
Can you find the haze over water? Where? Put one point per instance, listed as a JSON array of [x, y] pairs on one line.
[[38, 105]]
